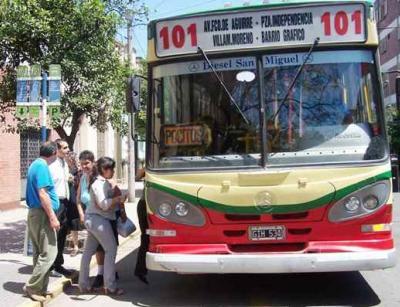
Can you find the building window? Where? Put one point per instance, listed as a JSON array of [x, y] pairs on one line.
[[382, 10], [383, 45], [386, 88]]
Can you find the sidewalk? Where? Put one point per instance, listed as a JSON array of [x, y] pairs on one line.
[[16, 268]]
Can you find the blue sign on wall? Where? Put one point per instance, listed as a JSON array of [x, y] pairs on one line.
[[34, 95], [22, 91], [54, 83], [29, 85], [54, 90]]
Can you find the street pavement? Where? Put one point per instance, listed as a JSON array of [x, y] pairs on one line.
[[374, 288]]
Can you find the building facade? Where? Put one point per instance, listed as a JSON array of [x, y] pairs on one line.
[[10, 169], [387, 14]]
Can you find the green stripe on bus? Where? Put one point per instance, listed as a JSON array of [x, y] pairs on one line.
[[252, 209]]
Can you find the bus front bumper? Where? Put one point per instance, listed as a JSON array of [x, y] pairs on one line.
[[272, 263]]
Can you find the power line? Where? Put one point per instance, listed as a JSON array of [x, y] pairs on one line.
[[160, 3], [185, 8], [140, 45], [124, 37]]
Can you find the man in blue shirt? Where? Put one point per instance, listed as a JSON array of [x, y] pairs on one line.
[[43, 224]]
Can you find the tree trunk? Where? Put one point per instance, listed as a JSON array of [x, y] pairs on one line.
[[75, 123]]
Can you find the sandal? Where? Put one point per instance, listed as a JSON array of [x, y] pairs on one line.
[[116, 292], [74, 252]]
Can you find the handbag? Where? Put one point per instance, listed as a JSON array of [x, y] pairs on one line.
[[125, 229]]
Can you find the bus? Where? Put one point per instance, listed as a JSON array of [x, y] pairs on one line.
[[266, 144]]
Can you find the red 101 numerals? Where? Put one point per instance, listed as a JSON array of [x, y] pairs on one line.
[[341, 22], [178, 36]]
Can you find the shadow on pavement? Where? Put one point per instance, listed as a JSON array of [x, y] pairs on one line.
[[12, 237], [15, 287], [170, 289], [27, 269]]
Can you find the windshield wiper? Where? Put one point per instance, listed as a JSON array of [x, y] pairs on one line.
[[316, 41], [232, 100]]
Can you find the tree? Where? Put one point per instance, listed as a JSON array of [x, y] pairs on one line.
[[141, 116], [394, 133], [79, 35]]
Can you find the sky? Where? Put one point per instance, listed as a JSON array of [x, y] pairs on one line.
[[166, 8]]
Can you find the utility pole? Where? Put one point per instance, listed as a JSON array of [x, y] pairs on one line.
[[43, 128], [131, 122]]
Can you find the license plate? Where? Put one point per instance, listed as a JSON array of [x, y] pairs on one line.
[[258, 233]]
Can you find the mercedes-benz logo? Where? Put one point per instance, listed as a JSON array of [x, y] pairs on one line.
[[310, 58], [263, 202], [193, 67]]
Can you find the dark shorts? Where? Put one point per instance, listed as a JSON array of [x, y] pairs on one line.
[[73, 216]]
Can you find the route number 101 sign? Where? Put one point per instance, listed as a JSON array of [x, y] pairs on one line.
[[262, 28]]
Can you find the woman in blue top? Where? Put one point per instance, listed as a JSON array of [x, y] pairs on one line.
[[86, 160]]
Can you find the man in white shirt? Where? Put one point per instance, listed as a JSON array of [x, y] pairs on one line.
[[60, 173]]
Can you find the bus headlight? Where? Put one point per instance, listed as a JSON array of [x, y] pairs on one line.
[[370, 202], [350, 207], [165, 209], [352, 204], [171, 208], [181, 209]]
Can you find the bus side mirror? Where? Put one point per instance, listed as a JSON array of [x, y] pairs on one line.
[[133, 94]]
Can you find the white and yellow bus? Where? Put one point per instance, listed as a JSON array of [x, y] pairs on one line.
[[266, 144]]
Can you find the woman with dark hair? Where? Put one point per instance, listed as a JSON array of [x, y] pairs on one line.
[[88, 168], [99, 212]]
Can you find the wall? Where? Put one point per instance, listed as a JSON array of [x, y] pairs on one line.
[[10, 182]]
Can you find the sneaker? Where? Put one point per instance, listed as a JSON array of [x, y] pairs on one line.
[[63, 271], [34, 296], [98, 281]]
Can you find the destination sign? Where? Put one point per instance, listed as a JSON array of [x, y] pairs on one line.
[[186, 135], [264, 28]]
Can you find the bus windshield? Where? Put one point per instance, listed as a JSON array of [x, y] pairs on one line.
[[195, 121], [331, 115]]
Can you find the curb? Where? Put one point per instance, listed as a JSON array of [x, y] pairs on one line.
[[57, 287]]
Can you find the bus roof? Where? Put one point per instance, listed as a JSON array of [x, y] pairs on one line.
[[271, 4]]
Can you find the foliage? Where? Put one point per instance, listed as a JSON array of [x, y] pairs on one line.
[[140, 117], [394, 134], [79, 35]]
